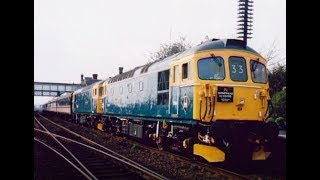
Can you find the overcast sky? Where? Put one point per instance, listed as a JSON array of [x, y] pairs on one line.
[[73, 37]]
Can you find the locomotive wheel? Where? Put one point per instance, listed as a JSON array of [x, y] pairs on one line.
[[162, 143]]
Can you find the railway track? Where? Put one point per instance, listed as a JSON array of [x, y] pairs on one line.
[[54, 167], [88, 158], [205, 166], [196, 161]]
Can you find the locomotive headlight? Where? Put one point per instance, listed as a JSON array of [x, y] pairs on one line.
[[240, 104], [241, 101]]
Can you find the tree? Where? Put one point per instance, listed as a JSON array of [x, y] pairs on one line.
[[277, 78], [169, 49], [276, 71], [277, 81], [271, 53]]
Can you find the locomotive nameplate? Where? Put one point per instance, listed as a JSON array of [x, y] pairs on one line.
[[225, 94]]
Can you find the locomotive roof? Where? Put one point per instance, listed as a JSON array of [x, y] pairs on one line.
[[210, 44], [87, 87], [218, 44]]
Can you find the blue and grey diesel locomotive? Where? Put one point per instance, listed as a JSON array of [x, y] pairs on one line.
[[211, 100]]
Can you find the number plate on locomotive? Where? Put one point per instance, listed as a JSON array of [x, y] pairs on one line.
[[225, 94]]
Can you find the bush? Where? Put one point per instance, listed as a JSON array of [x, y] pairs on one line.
[[279, 104], [281, 122], [271, 119], [279, 109]]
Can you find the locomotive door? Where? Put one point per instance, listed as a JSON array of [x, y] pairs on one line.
[[175, 93], [174, 101], [92, 105]]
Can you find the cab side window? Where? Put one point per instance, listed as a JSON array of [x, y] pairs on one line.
[[185, 71]]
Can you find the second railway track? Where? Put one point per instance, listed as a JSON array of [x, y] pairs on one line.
[[99, 164]]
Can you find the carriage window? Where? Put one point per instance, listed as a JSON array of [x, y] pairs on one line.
[[185, 71], [238, 69], [163, 88], [258, 72], [211, 68]]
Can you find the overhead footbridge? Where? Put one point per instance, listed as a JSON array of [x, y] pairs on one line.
[[53, 89]]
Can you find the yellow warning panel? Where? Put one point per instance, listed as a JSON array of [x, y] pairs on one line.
[[210, 153]]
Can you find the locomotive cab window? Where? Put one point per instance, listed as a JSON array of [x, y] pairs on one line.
[[185, 71], [100, 91], [238, 69], [211, 68], [163, 88], [258, 72]]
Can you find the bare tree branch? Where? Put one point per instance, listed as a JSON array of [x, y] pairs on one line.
[[169, 49], [271, 53]]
